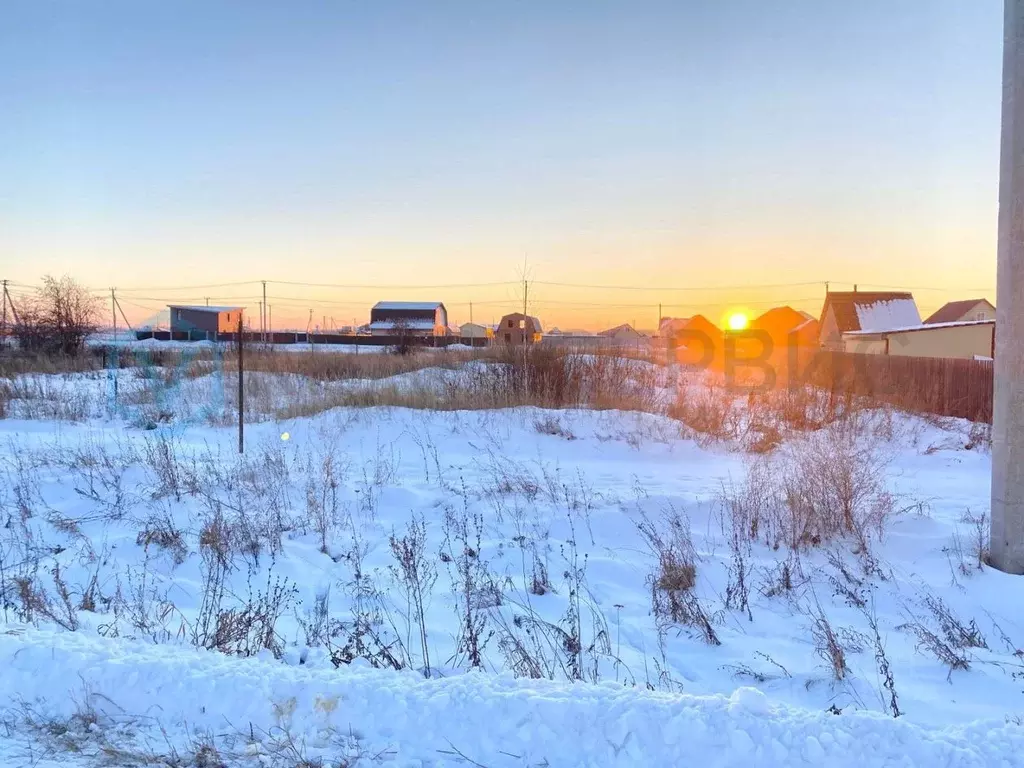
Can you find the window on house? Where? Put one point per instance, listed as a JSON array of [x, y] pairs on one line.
[[508, 337], [510, 324], [979, 316], [522, 323]]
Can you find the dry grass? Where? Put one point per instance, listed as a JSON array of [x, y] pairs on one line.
[[827, 485]]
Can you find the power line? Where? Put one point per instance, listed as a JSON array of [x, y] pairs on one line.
[[956, 289], [686, 288], [190, 287], [394, 287]]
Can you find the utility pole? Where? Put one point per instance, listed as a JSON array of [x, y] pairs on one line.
[[1007, 538], [113, 312], [207, 301], [264, 306], [241, 388], [3, 322]]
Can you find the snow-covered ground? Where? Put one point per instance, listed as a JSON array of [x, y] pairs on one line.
[[530, 532]]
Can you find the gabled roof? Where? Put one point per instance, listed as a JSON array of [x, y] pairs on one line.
[[624, 327], [413, 305], [672, 324], [779, 321], [955, 310], [537, 328], [204, 308], [701, 323], [871, 310]]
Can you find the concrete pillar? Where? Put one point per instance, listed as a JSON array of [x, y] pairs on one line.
[[1008, 416]]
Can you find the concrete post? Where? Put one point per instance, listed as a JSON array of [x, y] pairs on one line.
[[1008, 416]]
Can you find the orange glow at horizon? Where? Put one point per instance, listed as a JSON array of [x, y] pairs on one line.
[[738, 321]]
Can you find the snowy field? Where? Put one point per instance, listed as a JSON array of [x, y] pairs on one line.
[[502, 587]]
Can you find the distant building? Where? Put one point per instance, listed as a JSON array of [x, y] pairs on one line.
[[964, 311], [476, 331], [851, 311], [786, 327], [669, 326], [970, 340], [417, 318], [624, 333], [698, 342], [518, 329], [211, 320]]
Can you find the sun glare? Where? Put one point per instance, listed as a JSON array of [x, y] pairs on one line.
[[738, 321]]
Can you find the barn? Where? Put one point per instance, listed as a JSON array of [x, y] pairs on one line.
[[416, 318], [204, 319]]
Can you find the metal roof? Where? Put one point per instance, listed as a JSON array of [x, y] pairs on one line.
[[922, 327], [421, 305], [204, 308], [950, 312]]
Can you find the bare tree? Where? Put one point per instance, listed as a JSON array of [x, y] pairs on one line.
[[403, 333], [57, 318]]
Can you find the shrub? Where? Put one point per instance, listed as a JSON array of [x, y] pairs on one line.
[[57, 318], [815, 489]]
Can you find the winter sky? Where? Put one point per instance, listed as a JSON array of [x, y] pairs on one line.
[[735, 142]]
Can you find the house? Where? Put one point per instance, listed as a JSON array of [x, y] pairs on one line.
[[964, 311], [518, 329], [475, 331], [698, 342], [786, 327], [670, 326], [967, 340], [624, 333], [416, 318], [853, 311], [203, 319]]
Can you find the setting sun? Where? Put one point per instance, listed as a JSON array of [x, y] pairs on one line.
[[738, 321]]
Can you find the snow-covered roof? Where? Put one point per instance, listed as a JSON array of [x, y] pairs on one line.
[[421, 305], [870, 310], [920, 327], [204, 308], [412, 325], [884, 315]]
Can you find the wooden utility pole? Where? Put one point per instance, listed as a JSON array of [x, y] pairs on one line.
[[1007, 536], [241, 388], [113, 312], [264, 309], [3, 322]]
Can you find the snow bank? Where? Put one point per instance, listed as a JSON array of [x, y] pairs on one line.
[[493, 720]]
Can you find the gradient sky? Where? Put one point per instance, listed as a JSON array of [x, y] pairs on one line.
[[151, 145]]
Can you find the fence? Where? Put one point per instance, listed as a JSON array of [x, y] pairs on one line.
[[939, 386], [285, 338]]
